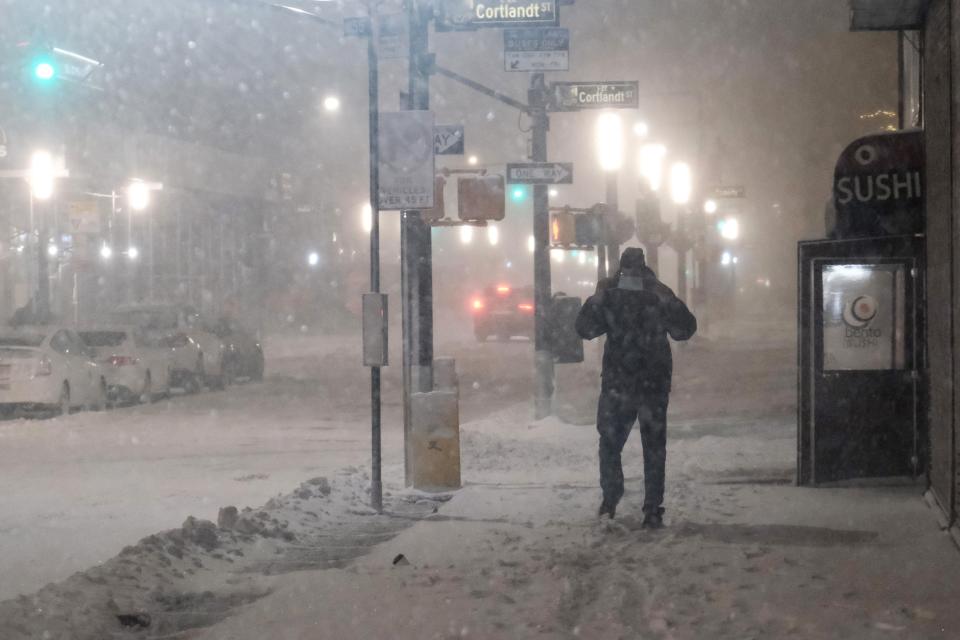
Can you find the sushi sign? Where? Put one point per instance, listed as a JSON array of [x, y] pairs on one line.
[[878, 186]]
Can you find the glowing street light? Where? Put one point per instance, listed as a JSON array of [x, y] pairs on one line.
[[53, 250], [493, 235], [651, 164], [729, 228], [466, 234], [681, 183], [106, 252], [41, 175], [726, 259], [366, 218], [710, 207], [641, 129], [138, 195], [313, 258], [331, 104], [531, 244], [610, 141], [473, 161], [133, 253]]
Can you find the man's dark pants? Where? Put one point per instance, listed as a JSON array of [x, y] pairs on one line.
[[616, 414]]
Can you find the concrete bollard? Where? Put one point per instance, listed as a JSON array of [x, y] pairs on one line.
[[435, 435]]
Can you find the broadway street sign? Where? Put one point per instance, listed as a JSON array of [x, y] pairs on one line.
[[574, 96], [448, 140], [536, 49], [460, 15], [540, 173]]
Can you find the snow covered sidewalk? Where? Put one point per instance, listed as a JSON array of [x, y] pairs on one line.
[[518, 554]]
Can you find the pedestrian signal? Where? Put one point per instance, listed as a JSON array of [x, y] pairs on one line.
[[563, 229], [481, 198]]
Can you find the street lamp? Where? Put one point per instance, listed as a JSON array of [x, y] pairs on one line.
[[41, 175], [313, 258], [729, 228], [610, 146], [138, 195], [651, 164], [473, 160], [710, 207], [493, 235], [133, 253], [531, 244], [331, 104], [366, 218], [106, 252], [681, 183], [466, 234], [641, 129], [610, 142]]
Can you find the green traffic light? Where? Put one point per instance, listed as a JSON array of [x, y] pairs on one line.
[[44, 70], [518, 194]]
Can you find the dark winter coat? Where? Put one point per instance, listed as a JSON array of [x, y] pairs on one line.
[[636, 316]]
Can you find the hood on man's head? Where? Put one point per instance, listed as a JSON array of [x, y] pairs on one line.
[[633, 259]]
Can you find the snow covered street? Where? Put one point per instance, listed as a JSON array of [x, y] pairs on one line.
[[517, 553]]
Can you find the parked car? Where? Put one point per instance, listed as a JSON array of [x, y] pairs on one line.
[[503, 311], [187, 370], [171, 323], [48, 368], [242, 352], [136, 367]]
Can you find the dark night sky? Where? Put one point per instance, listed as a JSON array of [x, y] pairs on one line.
[[782, 84]]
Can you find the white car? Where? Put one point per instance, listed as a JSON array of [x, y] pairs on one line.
[[48, 368], [136, 368], [187, 368], [172, 323]]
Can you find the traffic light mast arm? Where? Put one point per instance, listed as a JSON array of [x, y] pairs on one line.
[[476, 86]]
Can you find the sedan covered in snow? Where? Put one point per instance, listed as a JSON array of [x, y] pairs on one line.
[[48, 368], [136, 368]]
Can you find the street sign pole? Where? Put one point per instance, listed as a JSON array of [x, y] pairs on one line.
[[613, 202], [416, 250], [543, 356], [373, 80]]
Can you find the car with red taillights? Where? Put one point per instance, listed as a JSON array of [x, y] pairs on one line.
[[503, 311], [136, 366]]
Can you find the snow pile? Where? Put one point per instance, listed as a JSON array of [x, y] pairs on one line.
[[194, 575]]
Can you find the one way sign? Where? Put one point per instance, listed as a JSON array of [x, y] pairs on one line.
[[540, 173]]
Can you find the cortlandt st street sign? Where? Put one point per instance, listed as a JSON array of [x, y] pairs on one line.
[[459, 15], [574, 96]]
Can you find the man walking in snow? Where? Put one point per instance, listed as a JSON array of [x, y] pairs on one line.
[[636, 312]]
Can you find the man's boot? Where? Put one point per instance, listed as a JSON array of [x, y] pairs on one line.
[[653, 518]]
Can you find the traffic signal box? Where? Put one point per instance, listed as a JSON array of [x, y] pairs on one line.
[[482, 198], [563, 229]]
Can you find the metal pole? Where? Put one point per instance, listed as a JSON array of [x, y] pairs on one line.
[[416, 246], [682, 256], [613, 202], [43, 270], [543, 356], [376, 481], [601, 261]]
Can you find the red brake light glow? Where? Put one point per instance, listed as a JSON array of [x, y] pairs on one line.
[[477, 304], [526, 306], [503, 289], [121, 361]]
